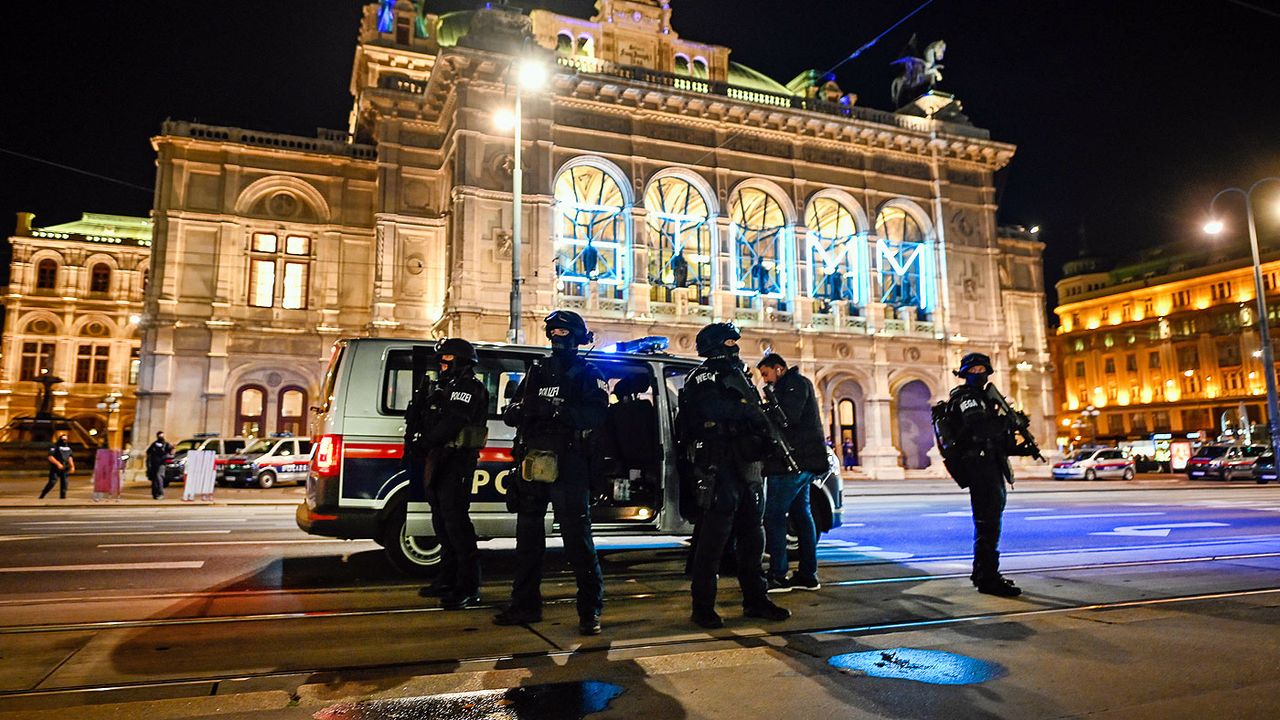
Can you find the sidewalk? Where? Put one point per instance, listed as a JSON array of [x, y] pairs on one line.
[[22, 489]]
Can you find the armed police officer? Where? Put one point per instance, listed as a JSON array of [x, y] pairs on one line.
[[976, 435], [445, 428], [557, 406], [724, 436]]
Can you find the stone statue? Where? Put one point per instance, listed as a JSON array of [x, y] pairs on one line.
[[919, 74], [44, 406]]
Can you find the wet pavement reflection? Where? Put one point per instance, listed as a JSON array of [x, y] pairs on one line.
[[558, 701], [927, 666]]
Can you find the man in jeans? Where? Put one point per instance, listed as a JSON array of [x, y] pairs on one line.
[[787, 493]]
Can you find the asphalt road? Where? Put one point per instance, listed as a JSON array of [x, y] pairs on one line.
[[164, 598]]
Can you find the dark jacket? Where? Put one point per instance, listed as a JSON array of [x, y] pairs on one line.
[[803, 433], [437, 413], [557, 403], [158, 452], [718, 405]]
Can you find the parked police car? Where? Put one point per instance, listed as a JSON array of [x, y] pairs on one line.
[[268, 462], [357, 488], [223, 448], [1095, 463]]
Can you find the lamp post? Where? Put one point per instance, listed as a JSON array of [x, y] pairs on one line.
[[529, 75], [111, 405], [1091, 414], [1214, 227]]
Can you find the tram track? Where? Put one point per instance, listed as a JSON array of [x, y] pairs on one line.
[[178, 621]]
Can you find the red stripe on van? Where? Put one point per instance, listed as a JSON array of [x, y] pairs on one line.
[[373, 450], [496, 455]]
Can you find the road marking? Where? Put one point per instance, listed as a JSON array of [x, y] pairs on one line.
[[1084, 516], [1157, 530], [7, 538], [181, 565], [967, 513], [231, 542], [122, 521]]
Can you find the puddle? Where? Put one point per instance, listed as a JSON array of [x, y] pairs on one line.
[[927, 666], [558, 701]]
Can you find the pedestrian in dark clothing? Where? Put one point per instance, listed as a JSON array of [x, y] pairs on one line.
[[787, 493], [976, 446], [445, 429], [724, 435], [846, 452], [157, 453], [61, 464], [558, 405]]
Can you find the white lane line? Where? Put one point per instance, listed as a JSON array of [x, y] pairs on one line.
[[203, 543], [1083, 516], [129, 522], [10, 538], [967, 513], [181, 565]]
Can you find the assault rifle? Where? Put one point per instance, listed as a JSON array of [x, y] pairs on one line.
[[776, 418], [1018, 422]]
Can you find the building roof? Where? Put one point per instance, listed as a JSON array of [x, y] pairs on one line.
[[98, 227]]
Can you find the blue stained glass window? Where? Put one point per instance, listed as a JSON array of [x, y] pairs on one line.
[[836, 253], [679, 236], [386, 16], [759, 249], [904, 261], [590, 229]]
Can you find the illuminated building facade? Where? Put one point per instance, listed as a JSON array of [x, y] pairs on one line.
[[665, 187], [1167, 344], [71, 310]]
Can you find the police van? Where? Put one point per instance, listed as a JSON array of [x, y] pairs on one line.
[[357, 487]]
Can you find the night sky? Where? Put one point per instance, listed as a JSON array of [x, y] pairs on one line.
[[1128, 114]]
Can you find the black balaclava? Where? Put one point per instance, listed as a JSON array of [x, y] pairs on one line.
[[564, 347], [977, 380]]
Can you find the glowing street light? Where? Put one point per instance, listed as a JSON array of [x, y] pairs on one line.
[[1035, 230], [1214, 227], [528, 74]]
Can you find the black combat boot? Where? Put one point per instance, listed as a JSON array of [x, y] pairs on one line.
[[766, 610], [1001, 586]]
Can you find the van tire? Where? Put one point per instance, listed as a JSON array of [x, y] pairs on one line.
[[413, 556]]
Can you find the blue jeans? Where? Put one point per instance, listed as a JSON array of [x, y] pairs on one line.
[[788, 495]]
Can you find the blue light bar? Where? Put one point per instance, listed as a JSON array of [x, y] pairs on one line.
[[650, 344]]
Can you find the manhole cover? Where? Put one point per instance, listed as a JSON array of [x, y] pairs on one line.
[[558, 701], [927, 666]]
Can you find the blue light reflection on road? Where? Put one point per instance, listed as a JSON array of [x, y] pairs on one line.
[[927, 666]]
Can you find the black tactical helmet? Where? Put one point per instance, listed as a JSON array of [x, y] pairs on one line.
[[710, 340], [463, 352], [571, 321], [973, 360]]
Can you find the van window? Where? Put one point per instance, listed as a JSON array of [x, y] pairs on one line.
[[233, 446], [331, 377], [496, 371]]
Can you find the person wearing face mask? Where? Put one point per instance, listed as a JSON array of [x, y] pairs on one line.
[[976, 446], [445, 428], [61, 463], [557, 407], [724, 436]]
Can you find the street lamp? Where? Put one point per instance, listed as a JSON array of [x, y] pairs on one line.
[[528, 74], [1214, 227], [1092, 413]]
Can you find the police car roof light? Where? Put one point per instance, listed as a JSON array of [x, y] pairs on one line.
[[649, 344], [282, 435], [205, 435]]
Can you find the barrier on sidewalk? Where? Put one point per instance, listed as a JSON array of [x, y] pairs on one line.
[[200, 475], [106, 474]]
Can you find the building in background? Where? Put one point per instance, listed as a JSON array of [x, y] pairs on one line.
[[1165, 346], [665, 187], [72, 309]]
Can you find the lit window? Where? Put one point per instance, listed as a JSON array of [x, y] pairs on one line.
[[591, 229], [262, 283], [564, 43], [679, 235], [91, 363], [100, 278], [682, 65], [135, 364], [265, 242], [586, 46], [297, 245], [759, 245], [250, 411], [835, 258], [37, 360], [295, 286], [700, 68], [904, 261]]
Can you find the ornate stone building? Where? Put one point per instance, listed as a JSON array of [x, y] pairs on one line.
[[71, 310], [665, 186]]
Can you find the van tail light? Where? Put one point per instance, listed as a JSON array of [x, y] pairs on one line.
[[328, 457]]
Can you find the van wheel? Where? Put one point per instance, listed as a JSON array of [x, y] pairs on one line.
[[415, 556], [267, 479]]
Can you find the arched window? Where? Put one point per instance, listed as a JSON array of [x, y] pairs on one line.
[[835, 256], [251, 411], [47, 274], [591, 230], [564, 43], [682, 64], [904, 261], [678, 223], [586, 46], [700, 68], [100, 278], [758, 264], [291, 411]]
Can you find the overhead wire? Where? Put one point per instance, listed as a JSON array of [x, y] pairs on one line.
[[70, 168]]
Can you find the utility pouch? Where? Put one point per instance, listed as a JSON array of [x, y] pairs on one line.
[[540, 466], [471, 437]]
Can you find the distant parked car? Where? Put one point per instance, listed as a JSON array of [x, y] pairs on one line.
[[1095, 463], [1264, 468], [270, 461], [1222, 461], [222, 448]]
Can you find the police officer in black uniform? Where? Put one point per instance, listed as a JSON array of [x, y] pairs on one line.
[[445, 428], [157, 453], [724, 435], [557, 406], [980, 464]]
